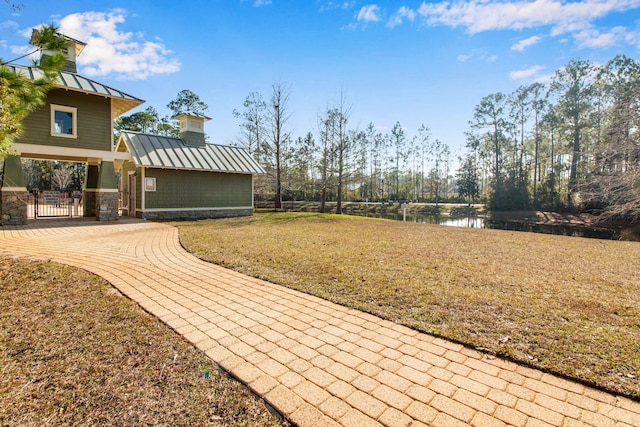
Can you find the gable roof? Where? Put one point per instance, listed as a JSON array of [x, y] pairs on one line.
[[121, 102], [154, 151]]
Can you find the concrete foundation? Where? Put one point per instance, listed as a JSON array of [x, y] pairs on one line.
[[196, 214]]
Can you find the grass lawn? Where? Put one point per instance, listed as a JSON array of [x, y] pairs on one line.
[[566, 305], [73, 351]]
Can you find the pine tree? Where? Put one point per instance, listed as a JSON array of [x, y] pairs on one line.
[[19, 95]]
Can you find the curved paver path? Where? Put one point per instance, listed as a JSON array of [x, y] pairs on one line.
[[318, 363]]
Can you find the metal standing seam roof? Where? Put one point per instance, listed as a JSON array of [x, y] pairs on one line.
[[122, 102], [154, 151]]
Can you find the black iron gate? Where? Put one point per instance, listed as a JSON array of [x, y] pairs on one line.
[[53, 203]]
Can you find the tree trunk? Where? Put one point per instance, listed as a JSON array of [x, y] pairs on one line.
[[575, 160]]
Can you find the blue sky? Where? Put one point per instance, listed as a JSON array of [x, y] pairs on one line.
[[410, 61]]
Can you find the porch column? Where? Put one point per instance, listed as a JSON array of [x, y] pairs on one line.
[[90, 187], [107, 193], [14, 194]]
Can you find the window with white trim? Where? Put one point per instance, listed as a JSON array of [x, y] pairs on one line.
[[150, 184], [64, 121]]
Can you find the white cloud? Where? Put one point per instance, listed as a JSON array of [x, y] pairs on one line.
[[573, 18], [337, 5], [544, 78], [26, 32], [22, 50], [9, 25], [525, 43], [482, 15], [258, 3], [633, 38], [478, 54], [110, 50], [402, 14], [526, 73], [592, 38], [369, 13]]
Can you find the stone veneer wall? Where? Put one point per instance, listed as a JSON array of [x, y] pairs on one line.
[[196, 214], [13, 207], [106, 206]]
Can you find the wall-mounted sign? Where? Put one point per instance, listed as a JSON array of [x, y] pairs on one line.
[[149, 184], [51, 197]]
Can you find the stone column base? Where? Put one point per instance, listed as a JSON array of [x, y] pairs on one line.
[[13, 207], [106, 206]]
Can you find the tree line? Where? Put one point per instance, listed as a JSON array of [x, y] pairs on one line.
[[337, 161], [568, 144]]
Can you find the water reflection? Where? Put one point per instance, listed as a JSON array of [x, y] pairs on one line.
[[469, 222], [475, 222]]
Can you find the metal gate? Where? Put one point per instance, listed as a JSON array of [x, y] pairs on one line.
[[53, 203]]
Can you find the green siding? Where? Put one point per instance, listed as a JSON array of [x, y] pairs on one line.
[[193, 138], [94, 122], [107, 178], [92, 177], [12, 175], [194, 189]]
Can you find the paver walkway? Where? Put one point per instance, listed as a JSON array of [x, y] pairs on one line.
[[316, 362]]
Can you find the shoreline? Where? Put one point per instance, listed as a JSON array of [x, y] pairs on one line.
[[626, 231]]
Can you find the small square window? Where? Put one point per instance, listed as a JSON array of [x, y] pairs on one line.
[[64, 121], [149, 184]]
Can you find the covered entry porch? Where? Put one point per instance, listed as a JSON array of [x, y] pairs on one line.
[[99, 197]]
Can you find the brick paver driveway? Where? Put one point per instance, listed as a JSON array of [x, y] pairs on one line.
[[318, 363]]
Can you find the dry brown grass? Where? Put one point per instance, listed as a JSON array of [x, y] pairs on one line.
[[567, 305], [75, 352]]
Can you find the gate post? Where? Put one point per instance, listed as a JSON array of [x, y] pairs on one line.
[[107, 193], [90, 188], [14, 195]]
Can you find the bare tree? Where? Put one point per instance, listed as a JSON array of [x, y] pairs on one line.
[[253, 124], [343, 147], [277, 147], [327, 135], [61, 178], [398, 139], [425, 149], [614, 183]]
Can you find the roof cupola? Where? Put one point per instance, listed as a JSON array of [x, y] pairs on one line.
[[71, 51], [192, 128]]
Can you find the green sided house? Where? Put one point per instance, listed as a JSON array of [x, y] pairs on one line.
[[75, 125], [159, 177], [184, 177]]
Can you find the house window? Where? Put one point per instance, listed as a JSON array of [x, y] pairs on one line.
[[149, 184], [64, 121]]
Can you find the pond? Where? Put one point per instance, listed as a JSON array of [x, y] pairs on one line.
[[478, 222]]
